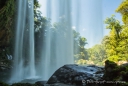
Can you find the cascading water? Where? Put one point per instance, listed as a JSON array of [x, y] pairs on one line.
[[84, 15], [58, 48], [24, 61]]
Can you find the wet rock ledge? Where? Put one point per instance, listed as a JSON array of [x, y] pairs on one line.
[[75, 75]]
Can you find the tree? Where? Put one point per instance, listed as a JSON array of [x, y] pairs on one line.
[[123, 9], [114, 25], [80, 53], [116, 47], [123, 44], [7, 10], [97, 54], [7, 18]]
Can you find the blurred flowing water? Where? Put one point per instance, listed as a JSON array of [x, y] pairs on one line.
[[84, 16], [24, 60], [57, 50]]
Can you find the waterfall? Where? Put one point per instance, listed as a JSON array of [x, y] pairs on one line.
[[84, 15], [24, 60], [58, 47]]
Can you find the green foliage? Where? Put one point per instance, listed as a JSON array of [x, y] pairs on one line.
[[3, 84], [81, 55], [39, 21], [36, 4], [6, 13], [114, 72], [7, 10], [116, 42], [5, 63], [97, 54], [23, 84], [6, 17], [81, 62], [80, 52], [114, 25], [114, 47], [114, 58], [82, 42], [123, 10]]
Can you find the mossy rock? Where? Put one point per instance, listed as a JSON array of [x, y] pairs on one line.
[[110, 63], [113, 72]]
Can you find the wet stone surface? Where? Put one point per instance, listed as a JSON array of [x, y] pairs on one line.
[[74, 75]]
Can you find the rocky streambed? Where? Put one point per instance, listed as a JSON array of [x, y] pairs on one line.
[[76, 75]]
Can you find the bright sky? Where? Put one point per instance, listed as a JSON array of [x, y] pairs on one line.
[[92, 14]]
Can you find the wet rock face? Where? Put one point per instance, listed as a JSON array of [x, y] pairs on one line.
[[76, 75]]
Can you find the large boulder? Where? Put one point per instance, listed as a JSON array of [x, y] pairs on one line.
[[77, 75]]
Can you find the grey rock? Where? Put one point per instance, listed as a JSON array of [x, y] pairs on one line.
[[75, 75]]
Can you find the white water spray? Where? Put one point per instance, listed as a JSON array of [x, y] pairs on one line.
[[84, 15], [24, 61], [57, 49]]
